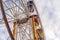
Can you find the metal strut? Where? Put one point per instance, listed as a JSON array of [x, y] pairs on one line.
[[5, 20], [37, 33], [14, 30], [34, 29]]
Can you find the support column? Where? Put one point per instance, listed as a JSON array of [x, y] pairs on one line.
[[34, 29], [14, 30]]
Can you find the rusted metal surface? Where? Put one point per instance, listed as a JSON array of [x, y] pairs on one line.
[[5, 20]]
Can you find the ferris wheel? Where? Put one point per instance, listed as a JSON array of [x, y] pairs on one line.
[[25, 18]]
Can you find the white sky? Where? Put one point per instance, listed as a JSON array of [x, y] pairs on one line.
[[49, 11]]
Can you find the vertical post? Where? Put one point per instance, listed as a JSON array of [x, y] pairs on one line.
[[5, 20], [42, 32], [14, 30], [34, 29]]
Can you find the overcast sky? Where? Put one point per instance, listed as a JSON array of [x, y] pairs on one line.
[[49, 11]]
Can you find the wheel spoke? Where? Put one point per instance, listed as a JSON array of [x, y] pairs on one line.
[[2, 22], [8, 8], [16, 5]]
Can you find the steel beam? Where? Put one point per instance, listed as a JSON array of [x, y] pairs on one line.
[[5, 20]]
